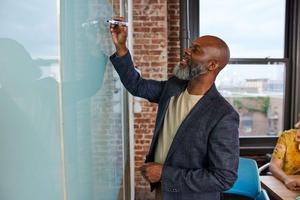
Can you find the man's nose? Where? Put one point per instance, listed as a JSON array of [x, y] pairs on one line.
[[188, 51]]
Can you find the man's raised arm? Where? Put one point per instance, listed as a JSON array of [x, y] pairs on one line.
[[131, 79]]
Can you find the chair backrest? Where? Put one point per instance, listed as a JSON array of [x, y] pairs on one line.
[[247, 183]]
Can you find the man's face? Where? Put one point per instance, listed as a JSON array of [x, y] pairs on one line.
[[193, 64]]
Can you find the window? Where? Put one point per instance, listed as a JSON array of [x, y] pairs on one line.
[[251, 28], [247, 123], [63, 130], [254, 80], [264, 38], [92, 102]]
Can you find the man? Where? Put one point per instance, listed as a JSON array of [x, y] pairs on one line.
[[195, 147]]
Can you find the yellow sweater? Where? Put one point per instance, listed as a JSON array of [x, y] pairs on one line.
[[287, 149]]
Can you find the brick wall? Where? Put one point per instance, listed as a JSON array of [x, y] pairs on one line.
[[156, 51], [173, 34]]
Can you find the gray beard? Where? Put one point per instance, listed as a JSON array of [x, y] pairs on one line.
[[190, 72]]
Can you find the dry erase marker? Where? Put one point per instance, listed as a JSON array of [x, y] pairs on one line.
[[114, 22]]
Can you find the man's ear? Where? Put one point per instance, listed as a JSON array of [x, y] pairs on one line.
[[213, 65]]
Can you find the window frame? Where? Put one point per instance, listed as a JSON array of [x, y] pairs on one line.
[[259, 145]]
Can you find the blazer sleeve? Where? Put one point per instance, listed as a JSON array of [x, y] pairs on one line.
[[223, 157], [133, 82]]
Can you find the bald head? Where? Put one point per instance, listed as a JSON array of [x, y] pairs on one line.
[[215, 48]]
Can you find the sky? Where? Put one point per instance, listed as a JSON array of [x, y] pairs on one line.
[[252, 29], [257, 31], [33, 23]]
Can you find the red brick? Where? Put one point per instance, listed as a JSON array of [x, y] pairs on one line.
[[141, 29], [151, 47], [158, 18], [140, 17], [158, 30], [156, 51]]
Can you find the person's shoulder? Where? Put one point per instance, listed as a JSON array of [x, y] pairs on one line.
[[223, 102], [289, 135], [290, 132]]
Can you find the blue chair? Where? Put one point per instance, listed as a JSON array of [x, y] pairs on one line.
[[248, 183]]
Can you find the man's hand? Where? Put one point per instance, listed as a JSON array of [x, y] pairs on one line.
[[119, 36], [292, 184], [152, 172]]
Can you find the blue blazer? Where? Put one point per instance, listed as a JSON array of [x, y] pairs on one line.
[[203, 158]]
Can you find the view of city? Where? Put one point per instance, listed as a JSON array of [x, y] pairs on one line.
[[258, 97]]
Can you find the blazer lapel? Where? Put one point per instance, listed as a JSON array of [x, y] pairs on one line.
[[162, 112], [198, 111]]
